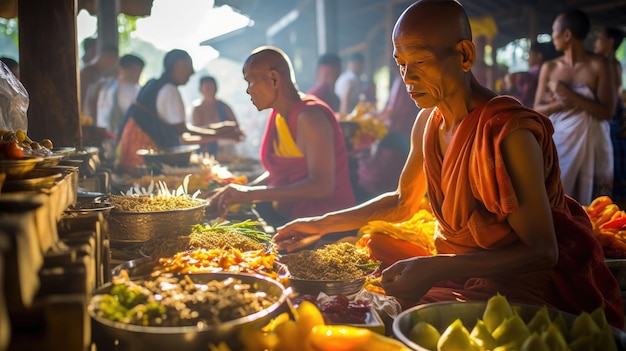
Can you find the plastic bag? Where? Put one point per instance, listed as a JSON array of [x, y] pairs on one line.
[[13, 101]]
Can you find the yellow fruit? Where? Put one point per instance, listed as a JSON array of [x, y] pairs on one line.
[[308, 317], [47, 143], [583, 325], [482, 336], [560, 324], [554, 338], [288, 336], [348, 338], [425, 335], [540, 321], [21, 135], [456, 338], [534, 343], [583, 343], [599, 317], [512, 330], [498, 310], [507, 347], [605, 341]]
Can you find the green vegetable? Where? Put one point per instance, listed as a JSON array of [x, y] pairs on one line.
[[247, 228]]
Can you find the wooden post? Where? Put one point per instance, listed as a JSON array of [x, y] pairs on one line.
[[49, 69], [107, 23]]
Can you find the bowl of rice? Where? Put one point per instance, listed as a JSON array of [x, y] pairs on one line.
[[137, 218], [334, 269]]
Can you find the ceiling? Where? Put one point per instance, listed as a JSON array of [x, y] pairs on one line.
[[514, 18], [365, 25]]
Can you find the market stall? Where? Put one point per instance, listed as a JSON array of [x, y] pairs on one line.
[[138, 263]]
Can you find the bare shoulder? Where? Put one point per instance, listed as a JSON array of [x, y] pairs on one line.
[[313, 116], [599, 62], [420, 122]]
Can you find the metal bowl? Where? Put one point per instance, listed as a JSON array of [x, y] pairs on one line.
[[82, 208], [138, 227], [63, 150], [129, 337], [442, 314], [175, 156], [50, 161], [328, 287], [35, 179], [17, 168]]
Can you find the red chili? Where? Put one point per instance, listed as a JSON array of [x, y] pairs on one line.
[[616, 223]]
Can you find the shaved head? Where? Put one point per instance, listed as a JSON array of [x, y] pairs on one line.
[[271, 58], [432, 45], [438, 22]]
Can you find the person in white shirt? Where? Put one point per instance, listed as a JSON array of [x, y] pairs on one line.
[[156, 120], [116, 95], [349, 84]]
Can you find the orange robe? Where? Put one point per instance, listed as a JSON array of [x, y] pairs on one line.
[[471, 195]]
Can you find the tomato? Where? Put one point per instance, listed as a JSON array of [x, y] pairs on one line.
[[11, 150]]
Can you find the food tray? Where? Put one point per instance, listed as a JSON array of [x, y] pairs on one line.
[[34, 180]]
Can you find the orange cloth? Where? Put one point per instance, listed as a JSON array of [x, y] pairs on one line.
[[133, 138], [471, 195]]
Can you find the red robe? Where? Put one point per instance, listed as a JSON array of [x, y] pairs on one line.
[[287, 170], [472, 195]]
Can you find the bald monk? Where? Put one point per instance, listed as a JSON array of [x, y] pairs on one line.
[[490, 168], [311, 177]]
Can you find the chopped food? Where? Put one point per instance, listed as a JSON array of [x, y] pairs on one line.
[[154, 203], [220, 260], [340, 261], [178, 301]]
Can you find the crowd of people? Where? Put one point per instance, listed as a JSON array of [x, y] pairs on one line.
[[505, 173]]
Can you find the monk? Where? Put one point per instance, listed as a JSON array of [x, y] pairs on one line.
[[303, 150], [490, 168]]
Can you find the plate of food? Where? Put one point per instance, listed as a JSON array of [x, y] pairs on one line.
[[332, 269]]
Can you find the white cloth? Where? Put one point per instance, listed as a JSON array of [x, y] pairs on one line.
[[170, 105], [585, 151], [349, 80], [110, 92]]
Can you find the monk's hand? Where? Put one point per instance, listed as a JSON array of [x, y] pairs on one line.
[[227, 196], [405, 279], [297, 234]]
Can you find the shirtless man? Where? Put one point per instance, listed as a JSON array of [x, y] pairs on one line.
[[303, 151], [577, 92], [488, 164]]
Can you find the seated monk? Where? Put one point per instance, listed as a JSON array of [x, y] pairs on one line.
[[489, 166], [303, 150]]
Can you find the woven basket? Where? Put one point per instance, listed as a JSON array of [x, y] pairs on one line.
[[138, 227]]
